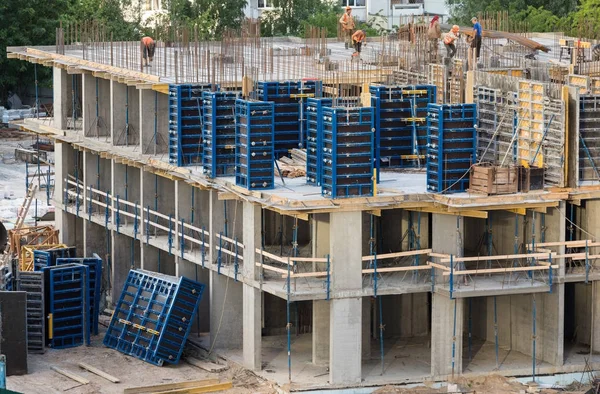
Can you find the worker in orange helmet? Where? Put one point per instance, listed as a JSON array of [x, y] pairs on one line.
[[148, 46], [347, 22], [449, 41], [358, 39]]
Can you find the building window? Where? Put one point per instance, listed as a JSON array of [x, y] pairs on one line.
[[265, 3], [353, 3]]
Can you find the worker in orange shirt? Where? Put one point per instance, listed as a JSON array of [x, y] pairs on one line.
[[348, 25], [148, 46], [449, 41], [358, 39]]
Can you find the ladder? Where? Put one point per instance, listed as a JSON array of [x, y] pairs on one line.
[[26, 204]]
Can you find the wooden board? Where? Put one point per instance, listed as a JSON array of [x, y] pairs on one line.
[[99, 372], [206, 365], [170, 386], [493, 180]]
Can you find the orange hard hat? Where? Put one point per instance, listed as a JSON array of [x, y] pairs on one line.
[[455, 28]]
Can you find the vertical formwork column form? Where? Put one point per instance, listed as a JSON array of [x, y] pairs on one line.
[[219, 133], [254, 157], [348, 145], [401, 124], [290, 100], [314, 139], [588, 141], [185, 124], [452, 145]]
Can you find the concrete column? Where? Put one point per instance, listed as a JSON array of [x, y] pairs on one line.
[[118, 92], [446, 335], [556, 230], [452, 227], [345, 348], [121, 262], [216, 224], [226, 312], [61, 97], [252, 296], [320, 312], [595, 315], [89, 104], [366, 328]]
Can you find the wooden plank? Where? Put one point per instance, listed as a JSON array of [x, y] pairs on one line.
[[206, 365], [274, 269], [438, 266], [498, 257], [500, 270], [99, 372], [201, 389], [170, 386], [70, 375], [397, 269], [396, 254]]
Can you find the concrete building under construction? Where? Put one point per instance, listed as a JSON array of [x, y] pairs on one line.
[[446, 224]]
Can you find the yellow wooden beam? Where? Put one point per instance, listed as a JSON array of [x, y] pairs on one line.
[[465, 213], [518, 211]]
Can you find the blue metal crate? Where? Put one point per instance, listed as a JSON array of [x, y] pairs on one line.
[[401, 124], [290, 100], [94, 265], [185, 123], [154, 316], [348, 146], [452, 146], [254, 159], [47, 258], [219, 133], [67, 304]]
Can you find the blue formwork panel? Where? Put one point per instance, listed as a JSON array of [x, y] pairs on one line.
[[94, 265], [154, 316], [254, 155], [67, 304], [348, 152], [185, 123], [314, 139], [451, 146], [47, 258], [290, 100], [401, 124], [219, 133]]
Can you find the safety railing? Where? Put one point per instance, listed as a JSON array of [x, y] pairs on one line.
[[579, 257], [496, 272], [230, 253]]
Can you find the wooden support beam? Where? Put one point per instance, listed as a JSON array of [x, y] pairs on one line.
[[99, 372], [170, 386], [518, 211], [465, 213], [70, 375]]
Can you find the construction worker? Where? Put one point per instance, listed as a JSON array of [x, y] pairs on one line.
[[148, 46], [449, 41], [477, 35], [347, 22], [358, 39], [434, 34]]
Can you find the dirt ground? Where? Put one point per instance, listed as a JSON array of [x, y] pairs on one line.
[[131, 371], [491, 384]]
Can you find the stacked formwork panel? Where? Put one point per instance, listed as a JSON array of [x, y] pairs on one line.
[[589, 138], [185, 124], [94, 283], [451, 146], [153, 316], [219, 133], [314, 139], [290, 100], [33, 284], [47, 258], [254, 158], [496, 125], [348, 152], [67, 305], [401, 123]]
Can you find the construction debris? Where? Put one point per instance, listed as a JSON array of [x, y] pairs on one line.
[[293, 167], [206, 365]]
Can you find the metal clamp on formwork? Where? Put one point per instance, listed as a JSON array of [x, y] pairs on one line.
[[451, 146], [254, 159], [164, 305], [348, 152]]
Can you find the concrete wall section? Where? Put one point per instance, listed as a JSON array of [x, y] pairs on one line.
[[61, 97], [446, 335], [153, 122], [226, 312], [118, 103]]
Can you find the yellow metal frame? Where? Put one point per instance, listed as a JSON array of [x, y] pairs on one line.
[[26, 260]]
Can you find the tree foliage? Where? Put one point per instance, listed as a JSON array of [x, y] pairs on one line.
[[210, 17], [539, 19], [289, 16], [25, 23], [106, 13]]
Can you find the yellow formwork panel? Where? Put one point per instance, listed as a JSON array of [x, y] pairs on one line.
[[579, 81], [26, 260], [530, 124]]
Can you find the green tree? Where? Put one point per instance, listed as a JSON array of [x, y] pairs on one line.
[[25, 23], [539, 19], [210, 17], [107, 13], [289, 16], [584, 22]]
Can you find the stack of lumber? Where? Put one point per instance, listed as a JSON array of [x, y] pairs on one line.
[[293, 167]]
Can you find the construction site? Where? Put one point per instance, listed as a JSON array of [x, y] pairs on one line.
[[326, 221]]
